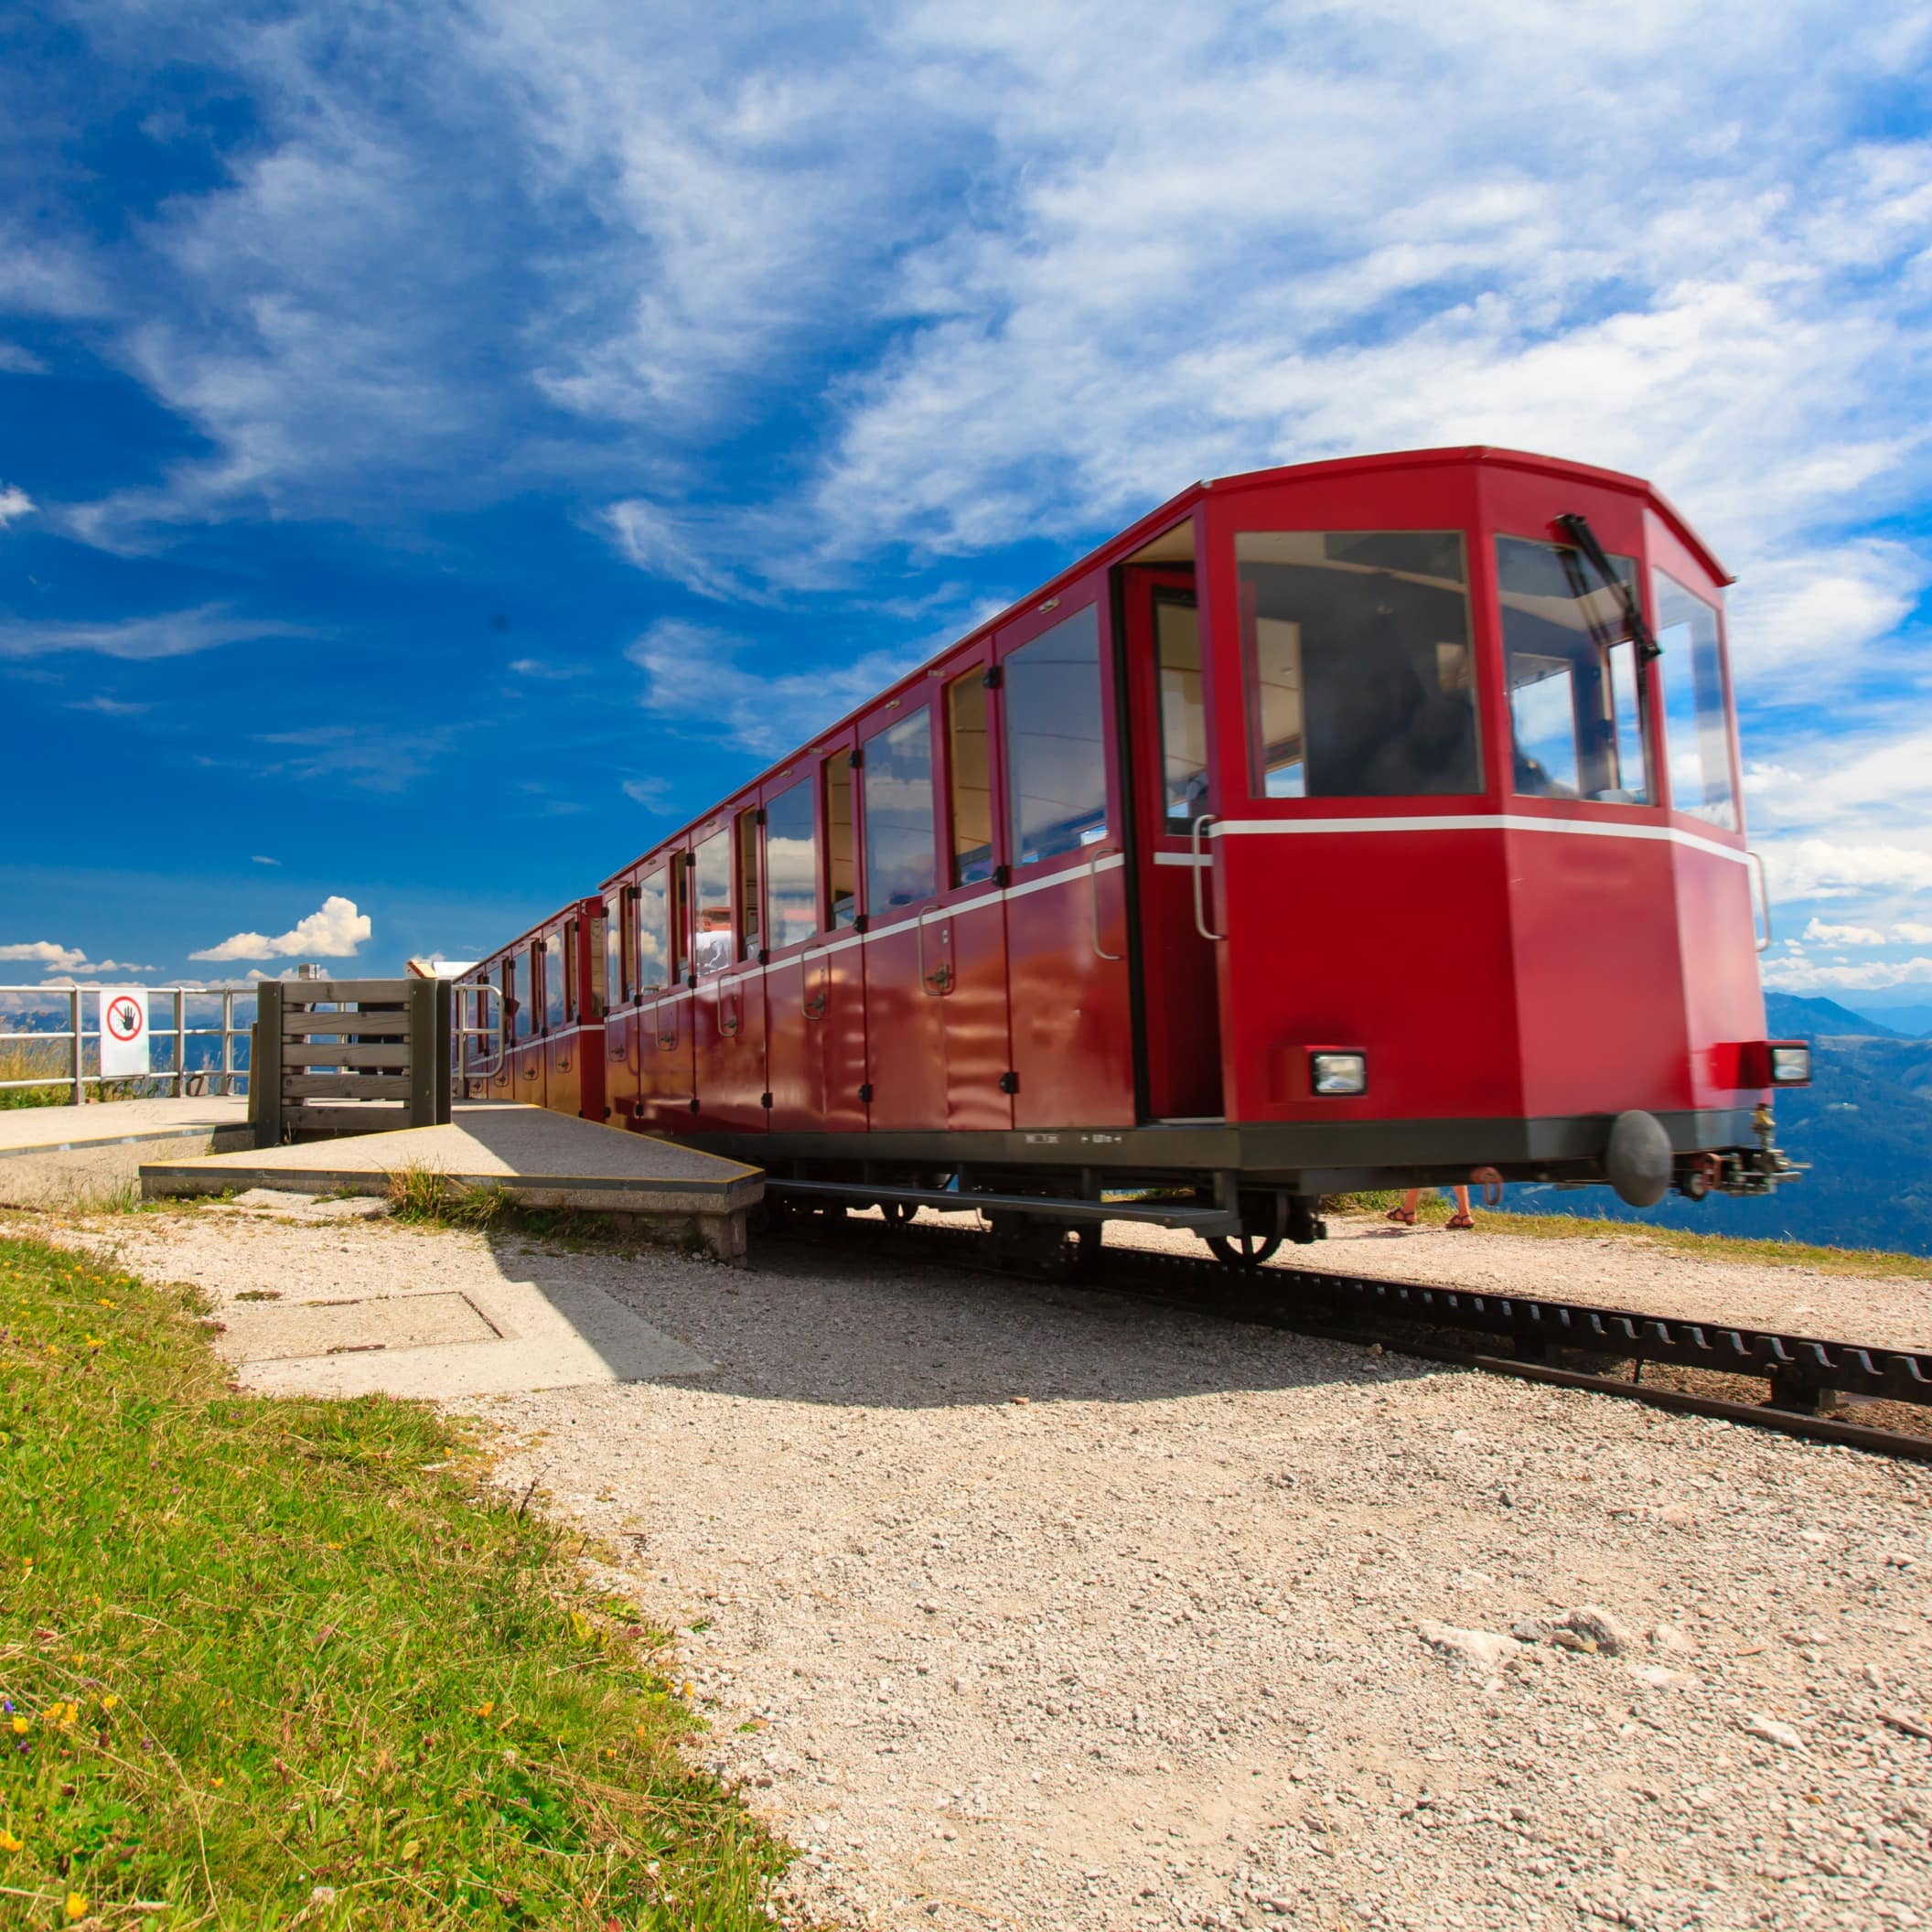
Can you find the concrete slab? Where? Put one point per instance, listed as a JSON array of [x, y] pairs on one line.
[[73, 1157], [516, 1335], [540, 1159], [268, 1332]]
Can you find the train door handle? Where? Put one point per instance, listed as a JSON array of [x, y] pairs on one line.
[[1202, 862], [938, 980], [1093, 888]]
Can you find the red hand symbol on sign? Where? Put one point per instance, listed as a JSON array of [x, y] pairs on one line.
[[123, 1019]]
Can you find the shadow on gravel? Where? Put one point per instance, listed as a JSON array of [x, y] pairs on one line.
[[850, 1326]]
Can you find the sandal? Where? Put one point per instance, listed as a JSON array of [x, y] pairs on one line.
[[1462, 1220], [1402, 1215]]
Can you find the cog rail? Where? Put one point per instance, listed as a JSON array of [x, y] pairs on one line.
[[1806, 1376]]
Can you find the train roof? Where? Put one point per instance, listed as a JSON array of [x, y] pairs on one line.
[[1140, 534]]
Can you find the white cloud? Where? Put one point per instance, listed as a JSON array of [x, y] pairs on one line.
[[44, 952], [259, 859], [1911, 932], [1821, 934], [693, 676], [14, 502], [1825, 869], [544, 668], [173, 633], [1792, 975], [655, 795], [333, 931]]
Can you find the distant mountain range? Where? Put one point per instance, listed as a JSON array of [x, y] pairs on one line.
[[1864, 1127]]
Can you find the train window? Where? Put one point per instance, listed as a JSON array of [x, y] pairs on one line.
[[1360, 680], [1183, 717], [1056, 741], [1697, 726], [971, 780], [652, 961], [746, 833], [711, 897], [556, 978], [791, 865], [900, 869], [614, 982], [838, 839], [1574, 707], [516, 969], [677, 898]]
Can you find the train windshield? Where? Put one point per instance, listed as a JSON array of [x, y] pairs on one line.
[[1697, 721], [1359, 675], [1575, 706]]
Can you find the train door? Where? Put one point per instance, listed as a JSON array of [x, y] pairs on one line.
[[590, 989], [664, 1054], [1180, 995], [962, 940], [1068, 983], [563, 1081], [527, 1058], [726, 1005], [622, 1021], [794, 1076], [834, 970], [503, 1069], [899, 849]]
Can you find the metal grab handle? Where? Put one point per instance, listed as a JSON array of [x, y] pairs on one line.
[[1201, 863], [1764, 893], [938, 983], [1093, 882]]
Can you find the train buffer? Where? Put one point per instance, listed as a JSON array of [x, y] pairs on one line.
[[537, 1158]]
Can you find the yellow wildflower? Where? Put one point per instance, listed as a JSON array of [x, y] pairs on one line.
[[22, 1725], [108, 1702], [76, 1905], [484, 1710], [8, 1843]]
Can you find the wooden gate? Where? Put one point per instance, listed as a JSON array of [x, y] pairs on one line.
[[335, 1057]]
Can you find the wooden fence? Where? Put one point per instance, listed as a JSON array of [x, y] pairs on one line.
[[335, 1057]]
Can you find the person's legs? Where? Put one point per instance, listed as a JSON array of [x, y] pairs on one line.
[[1461, 1217], [1405, 1214]]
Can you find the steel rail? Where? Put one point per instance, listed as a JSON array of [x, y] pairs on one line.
[[1802, 1370]]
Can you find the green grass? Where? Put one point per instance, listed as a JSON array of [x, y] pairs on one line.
[[1776, 1250], [269, 1661]]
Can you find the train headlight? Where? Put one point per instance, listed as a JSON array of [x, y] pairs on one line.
[[1338, 1073], [1791, 1066]]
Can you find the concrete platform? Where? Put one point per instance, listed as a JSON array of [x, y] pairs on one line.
[[539, 1158], [75, 1157]]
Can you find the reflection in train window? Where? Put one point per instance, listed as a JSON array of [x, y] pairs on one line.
[[838, 839], [898, 815], [653, 961], [791, 865], [749, 925], [1360, 677], [1183, 716], [971, 780], [1056, 741], [711, 902]]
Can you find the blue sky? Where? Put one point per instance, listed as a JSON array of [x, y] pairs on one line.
[[441, 447]]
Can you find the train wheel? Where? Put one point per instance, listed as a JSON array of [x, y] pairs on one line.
[[897, 1213], [1243, 1250]]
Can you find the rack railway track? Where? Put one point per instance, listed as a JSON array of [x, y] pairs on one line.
[[1805, 1377]]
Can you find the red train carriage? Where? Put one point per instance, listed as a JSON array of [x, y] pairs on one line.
[[1362, 823], [529, 1019]]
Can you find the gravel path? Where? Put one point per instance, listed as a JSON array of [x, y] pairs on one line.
[[1021, 1607]]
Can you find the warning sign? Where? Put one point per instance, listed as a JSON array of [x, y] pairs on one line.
[[124, 1031]]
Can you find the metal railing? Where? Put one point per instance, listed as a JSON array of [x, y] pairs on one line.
[[223, 1070]]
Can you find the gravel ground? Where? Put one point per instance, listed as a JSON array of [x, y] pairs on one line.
[[1026, 1607]]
